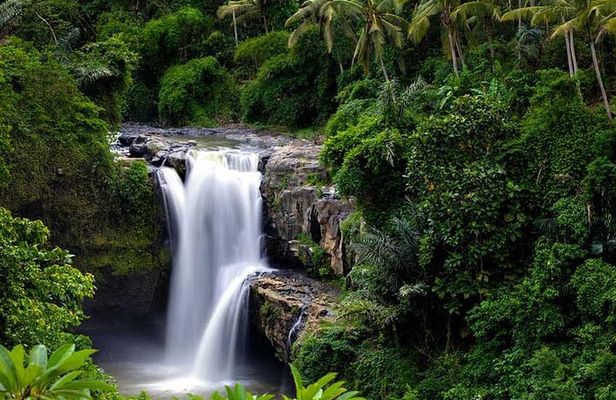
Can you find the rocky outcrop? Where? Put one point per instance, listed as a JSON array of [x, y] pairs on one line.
[[285, 305], [323, 220], [299, 210]]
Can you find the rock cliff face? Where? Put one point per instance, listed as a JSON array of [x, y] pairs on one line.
[[298, 210], [286, 304]]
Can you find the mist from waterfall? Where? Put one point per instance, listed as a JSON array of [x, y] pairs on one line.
[[215, 224]]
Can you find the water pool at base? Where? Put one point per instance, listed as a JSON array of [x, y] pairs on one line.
[[137, 364]]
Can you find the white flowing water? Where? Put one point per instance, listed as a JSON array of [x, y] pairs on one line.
[[215, 220]]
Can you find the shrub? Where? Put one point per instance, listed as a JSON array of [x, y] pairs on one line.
[[373, 171], [558, 138], [473, 207], [42, 293], [384, 373], [338, 144], [174, 38], [220, 46], [348, 114], [198, 92], [294, 89], [334, 348], [59, 160], [104, 73], [252, 53]]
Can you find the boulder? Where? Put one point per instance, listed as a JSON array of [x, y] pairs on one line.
[[138, 146], [177, 160]]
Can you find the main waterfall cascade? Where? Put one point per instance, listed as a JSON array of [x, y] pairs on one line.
[[215, 220]]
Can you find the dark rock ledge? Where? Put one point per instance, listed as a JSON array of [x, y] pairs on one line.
[[285, 305]]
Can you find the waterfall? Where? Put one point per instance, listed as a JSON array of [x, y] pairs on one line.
[[215, 220]]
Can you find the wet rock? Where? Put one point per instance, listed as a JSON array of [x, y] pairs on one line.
[[138, 146], [322, 221], [177, 161], [285, 305], [127, 138], [297, 208], [155, 151]]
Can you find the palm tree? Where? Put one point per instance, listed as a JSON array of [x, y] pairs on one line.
[[586, 17], [453, 16], [244, 10], [313, 12], [607, 8], [380, 24], [551, 12], [378, 20]]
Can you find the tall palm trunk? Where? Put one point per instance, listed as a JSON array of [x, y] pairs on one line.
[[595, 63], [573, 56], [569, 61], [235, 28], [453, 52], [384, 70], [460, 53]]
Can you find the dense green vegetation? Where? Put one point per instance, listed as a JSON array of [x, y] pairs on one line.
[[476, 137]]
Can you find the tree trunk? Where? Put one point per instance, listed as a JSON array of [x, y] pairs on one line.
[[568, 47], [453, 52], [53, 34], [519, 17], [384, 71], [491, 45], [595, 64], [573, 57], [235, 28], [460, 53], [265, 23]]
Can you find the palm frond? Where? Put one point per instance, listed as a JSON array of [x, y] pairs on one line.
[[87, 75]]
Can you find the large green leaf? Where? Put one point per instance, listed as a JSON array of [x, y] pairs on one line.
[[18, 355], [60, 355], [75, 360], [7, 370], [66, 379], [38, 356]]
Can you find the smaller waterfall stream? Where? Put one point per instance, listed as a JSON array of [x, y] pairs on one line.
[[216, 220]]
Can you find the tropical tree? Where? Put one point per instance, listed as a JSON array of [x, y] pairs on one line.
[[244, 10], [551, 12], [313, 12], [607, 8], [379, 24], [38, 377], [454, 17], [589, 18]]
